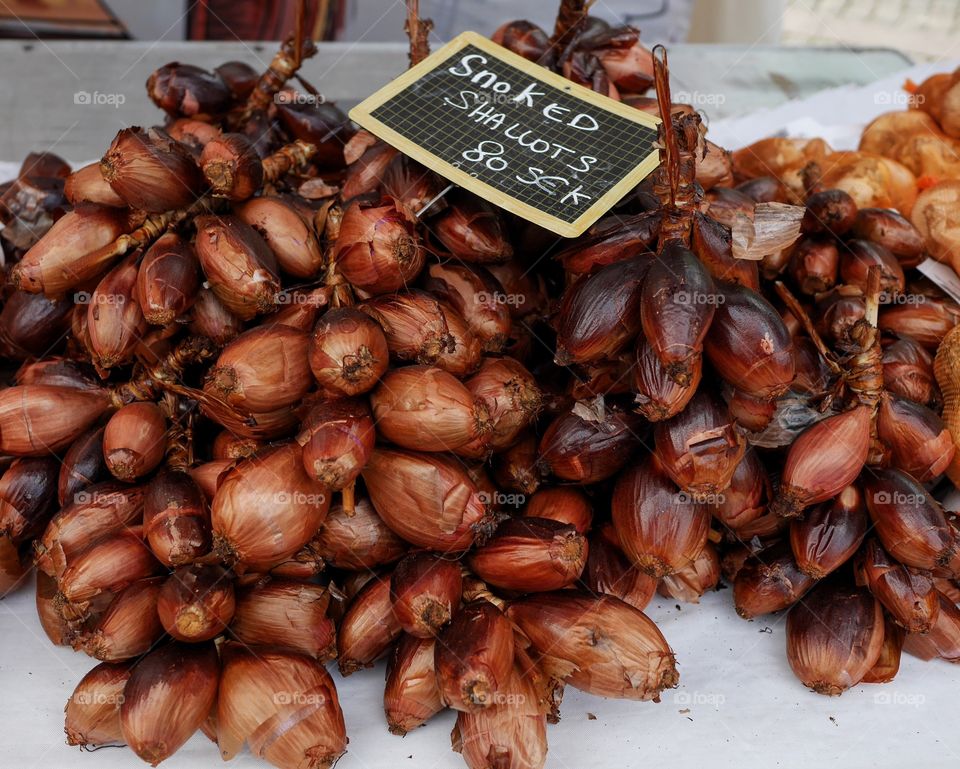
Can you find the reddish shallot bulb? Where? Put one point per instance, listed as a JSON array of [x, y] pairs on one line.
[[377, 249], [825, 459], [337, 439], [660, 528], [348, 352], [677, 306], [700, 447], [834, 638]]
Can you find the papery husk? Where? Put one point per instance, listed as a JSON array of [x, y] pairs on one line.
[[909, 595], [531, 555], [589, 443], [609, 571], [566, 504], [414, 324], [115, 322], [176, 518], [368, 628], [285, 613], [283, 705], [357, 541], [769, 581], [511, 396], [377, 249], [262, 370], [267, 508], [134, 440], [510, 735], [27, 498], [71, 253], [476, 295], [348, 352], [887, 666], [36, 420], [600, 645], [701, 447], [425, 590], [826, 458], [910, 522], [93, 513], [474, 657], [943, 640], [337, 438], [745, 499], [829, 534], [411, 697], [168, 280], [749, 345], [196, 603], [660, 528], [128, 628], [151, 171], [93, 710], [86, 186], [428, 409], [167, 698], [108, 565], [428, 500], [918, 441], [691, 582], [908, 372], [834, 638], [658, 397], [289, 235], [600, 315], [238, 264], [677, 309]]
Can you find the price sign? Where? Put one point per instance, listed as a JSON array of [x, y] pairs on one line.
[[515, 133]]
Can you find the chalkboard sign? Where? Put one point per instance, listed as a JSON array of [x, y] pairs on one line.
[[515, 133]]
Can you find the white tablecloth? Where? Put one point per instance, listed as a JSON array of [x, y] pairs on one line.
[[738, 705]]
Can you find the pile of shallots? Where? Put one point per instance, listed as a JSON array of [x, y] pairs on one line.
[[276, 399], [260, 394]]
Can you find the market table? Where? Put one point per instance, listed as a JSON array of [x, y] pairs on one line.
[[738, 705]]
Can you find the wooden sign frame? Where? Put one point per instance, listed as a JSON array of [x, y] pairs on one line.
[[361, 114]]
